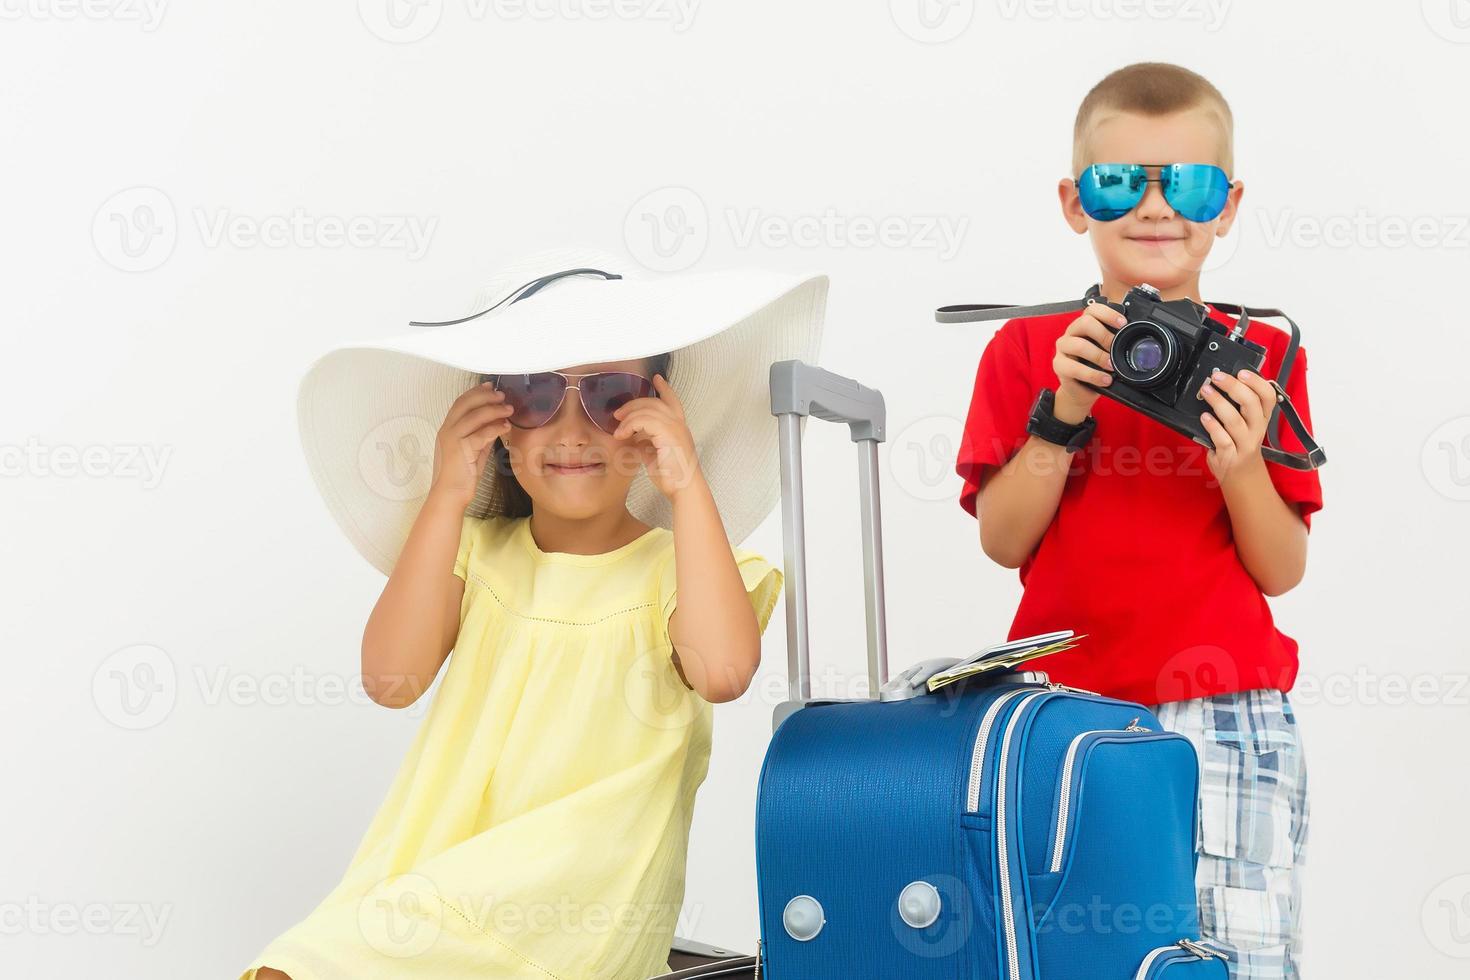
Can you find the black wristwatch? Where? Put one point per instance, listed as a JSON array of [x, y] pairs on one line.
[[1044, 425]]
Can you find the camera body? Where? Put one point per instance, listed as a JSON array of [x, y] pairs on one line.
[[1166, 352]]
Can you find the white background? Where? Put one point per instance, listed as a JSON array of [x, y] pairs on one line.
[[142, 786]]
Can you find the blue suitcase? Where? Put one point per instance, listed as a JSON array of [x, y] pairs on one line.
[[996, 829]]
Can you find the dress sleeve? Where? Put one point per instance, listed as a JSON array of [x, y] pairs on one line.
[[1301, 488], [999, 407], [762, 586], [467, 534]]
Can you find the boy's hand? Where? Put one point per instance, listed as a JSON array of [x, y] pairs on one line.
[[1082, 356], [465, 441], [662, 438], [1236, 432]]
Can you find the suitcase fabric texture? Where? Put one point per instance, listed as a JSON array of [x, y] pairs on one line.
[[997, 829]]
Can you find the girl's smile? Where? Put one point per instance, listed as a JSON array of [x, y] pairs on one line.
[[575, 468]]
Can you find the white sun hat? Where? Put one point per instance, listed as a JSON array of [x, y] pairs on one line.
[[369, 412]]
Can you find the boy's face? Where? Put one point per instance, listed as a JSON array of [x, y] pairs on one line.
[[569, 466], [1152, 243]]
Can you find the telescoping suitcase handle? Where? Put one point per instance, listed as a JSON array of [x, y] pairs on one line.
[[799, 389]]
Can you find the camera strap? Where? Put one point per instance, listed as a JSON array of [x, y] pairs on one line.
[[1312, 458]]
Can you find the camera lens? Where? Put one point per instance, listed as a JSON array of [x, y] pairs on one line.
[[1146, 355]]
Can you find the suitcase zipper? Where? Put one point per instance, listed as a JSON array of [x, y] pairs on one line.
[[1065, 800], [1002, 846], [1188, 945], [977, 758]]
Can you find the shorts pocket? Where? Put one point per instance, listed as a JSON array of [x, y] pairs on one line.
[[1248, 786], [1255, 927]]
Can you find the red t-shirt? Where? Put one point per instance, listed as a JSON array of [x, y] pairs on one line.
[[1139, 555]]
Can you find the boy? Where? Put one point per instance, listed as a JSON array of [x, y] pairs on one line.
[[1161, 551]]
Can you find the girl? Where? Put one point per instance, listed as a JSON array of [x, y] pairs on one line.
[[572, 549]]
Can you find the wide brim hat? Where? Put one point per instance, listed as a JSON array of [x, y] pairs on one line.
[[369, 412]]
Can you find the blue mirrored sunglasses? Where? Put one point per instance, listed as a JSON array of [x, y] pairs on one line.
[[1196, 191]]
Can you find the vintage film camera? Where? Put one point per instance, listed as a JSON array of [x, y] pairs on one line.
[[1166, 352]]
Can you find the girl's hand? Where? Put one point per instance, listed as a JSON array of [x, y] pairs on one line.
[[1236, 432], [662, 438], [465, 441], [1082, 356]]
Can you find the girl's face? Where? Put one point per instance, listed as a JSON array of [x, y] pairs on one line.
[[569, 466]]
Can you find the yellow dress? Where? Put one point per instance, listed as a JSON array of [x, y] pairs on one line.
[[539, 825]]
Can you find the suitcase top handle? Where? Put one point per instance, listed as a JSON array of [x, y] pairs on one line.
[[799, 390]]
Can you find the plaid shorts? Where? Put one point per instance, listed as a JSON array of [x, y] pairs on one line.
[[1252, 827]]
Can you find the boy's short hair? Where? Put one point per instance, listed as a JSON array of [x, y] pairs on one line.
[[1152, 88]]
